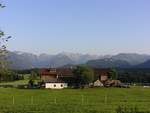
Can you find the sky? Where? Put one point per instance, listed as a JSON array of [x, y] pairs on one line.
[[78, 26]]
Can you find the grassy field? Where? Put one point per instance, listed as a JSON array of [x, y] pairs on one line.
[[95, 100], [20, 82], [15, 83]]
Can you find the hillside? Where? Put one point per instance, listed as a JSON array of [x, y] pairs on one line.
[[132, 58], [107, 63], [144, 65]]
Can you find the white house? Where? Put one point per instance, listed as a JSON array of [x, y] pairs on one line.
[[98, 83], [56, 85]]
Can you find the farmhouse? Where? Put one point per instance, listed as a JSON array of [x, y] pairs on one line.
[[58, 78]]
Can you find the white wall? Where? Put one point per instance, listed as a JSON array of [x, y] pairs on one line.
[[56, 85]]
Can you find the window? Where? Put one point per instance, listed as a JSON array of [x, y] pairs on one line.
[[54, 85], [61, 85]]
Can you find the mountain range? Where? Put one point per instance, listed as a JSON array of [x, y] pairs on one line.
[[23, 60], [122, 60]]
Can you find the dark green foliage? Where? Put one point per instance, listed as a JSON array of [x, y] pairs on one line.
[[113, 74], [84, 74], [33, 75], [134, 75], [26, 71], [8, 75], [31, 83]]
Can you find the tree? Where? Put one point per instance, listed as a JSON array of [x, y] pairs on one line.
[[84, 75], [5, 74], [8, 75], [113, 74], [31, 83], [3, 51]]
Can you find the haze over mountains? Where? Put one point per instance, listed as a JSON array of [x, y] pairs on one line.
[[22, 60]]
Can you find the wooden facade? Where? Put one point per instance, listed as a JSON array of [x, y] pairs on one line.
[[102, 74], [55, 74]]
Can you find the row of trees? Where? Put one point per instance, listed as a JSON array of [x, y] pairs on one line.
[[8, 75], [134, 75]]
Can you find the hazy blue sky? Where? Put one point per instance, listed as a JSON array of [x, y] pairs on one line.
[[83, 26]]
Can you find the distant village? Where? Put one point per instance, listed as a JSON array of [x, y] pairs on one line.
[[59, 78]]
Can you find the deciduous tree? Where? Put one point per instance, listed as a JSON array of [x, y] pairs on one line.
[[84, 75]]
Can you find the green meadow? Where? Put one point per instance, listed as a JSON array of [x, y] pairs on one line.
[[94, 100]]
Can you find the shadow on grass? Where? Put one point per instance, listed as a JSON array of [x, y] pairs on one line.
[[119, 109], [124, 109]]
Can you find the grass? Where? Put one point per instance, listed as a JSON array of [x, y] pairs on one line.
[[15, 83], [20, 82], [95, 100]]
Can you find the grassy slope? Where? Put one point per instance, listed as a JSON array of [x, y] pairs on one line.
[[72, 100]]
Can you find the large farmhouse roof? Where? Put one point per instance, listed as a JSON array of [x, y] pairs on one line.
[[68, 71], [56, 71]]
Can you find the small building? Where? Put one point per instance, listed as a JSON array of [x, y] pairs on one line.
[[98, 83], [56, 85], [115, 83], [102, 74]]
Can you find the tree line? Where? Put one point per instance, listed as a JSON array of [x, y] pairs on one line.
[[134, 75]]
